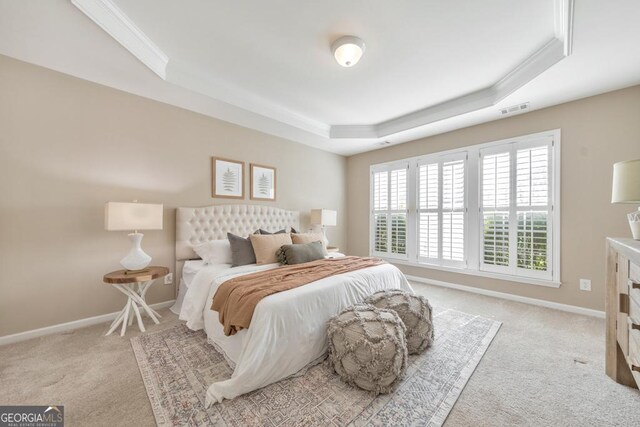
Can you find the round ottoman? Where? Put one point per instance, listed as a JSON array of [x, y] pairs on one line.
[[415, 312], [367, 347]]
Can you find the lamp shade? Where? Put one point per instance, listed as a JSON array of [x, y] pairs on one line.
[[323, 217], [132, 216], [626, 182]]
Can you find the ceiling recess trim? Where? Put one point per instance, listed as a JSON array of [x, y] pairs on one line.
[[551, 53], [563, 23], [114, 21], [548, 55], [191, 78], [118, 25]]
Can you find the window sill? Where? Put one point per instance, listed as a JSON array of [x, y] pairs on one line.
[[470, 272]]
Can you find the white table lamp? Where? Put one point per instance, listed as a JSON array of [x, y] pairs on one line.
[[323, 218], [626, 189], [133, 217]]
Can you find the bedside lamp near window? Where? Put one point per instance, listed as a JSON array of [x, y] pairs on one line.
[[323, 218], [626, 189], [133, 217]]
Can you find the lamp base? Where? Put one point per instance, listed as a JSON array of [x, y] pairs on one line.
[[136, 259]]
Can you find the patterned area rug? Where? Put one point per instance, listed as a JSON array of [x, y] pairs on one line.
[[177, 366]]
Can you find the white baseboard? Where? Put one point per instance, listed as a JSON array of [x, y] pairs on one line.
[[512, 297], [61, 327]]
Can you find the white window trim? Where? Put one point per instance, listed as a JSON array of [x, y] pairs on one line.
[[478, 273], [472, 220], [440, 159], [401, 164]]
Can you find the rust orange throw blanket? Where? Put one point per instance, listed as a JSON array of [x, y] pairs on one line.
[[237, 298]]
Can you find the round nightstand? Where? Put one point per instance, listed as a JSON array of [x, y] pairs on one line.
[[134, 285]]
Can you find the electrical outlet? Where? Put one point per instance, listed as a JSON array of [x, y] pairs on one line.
[[168, 279], [585, 284]]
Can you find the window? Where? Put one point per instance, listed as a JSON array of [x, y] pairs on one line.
[[441, 210], [516, 208], [490, 209], [389, 195]]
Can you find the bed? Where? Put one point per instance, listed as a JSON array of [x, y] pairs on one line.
[[288, 329]]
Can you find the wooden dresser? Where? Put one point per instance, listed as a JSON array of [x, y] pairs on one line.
[[623, 311]]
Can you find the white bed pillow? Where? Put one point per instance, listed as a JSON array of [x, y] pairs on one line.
[[214, 251]]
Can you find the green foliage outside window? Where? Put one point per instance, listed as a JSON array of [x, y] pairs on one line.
[[398, 234], [531, 241]]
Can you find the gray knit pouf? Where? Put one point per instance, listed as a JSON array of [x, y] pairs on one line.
[[415, 312], [367, 347]]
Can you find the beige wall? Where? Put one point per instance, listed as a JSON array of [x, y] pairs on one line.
[[596, 132], [67, 146]]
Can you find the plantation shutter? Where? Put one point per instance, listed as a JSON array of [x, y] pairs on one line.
[[398, 224], [533, 208], [453, 210], [428, 207], [442, 210], [380, 211], [515, 207], [495, 209], [389, 216]]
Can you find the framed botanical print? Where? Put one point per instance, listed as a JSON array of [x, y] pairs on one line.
[[227, 178], [263, 182]]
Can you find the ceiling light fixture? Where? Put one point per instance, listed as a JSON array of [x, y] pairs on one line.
[[348, 50]]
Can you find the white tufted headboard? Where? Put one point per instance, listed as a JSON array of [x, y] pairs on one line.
[[198, 225]]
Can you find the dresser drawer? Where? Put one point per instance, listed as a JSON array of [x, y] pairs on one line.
[[634, 353], [634, 307], [622, 308], [634, 272], [622, 304], [634, 292]]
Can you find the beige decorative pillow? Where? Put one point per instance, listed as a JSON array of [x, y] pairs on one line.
[[265, 246], [308, 238]]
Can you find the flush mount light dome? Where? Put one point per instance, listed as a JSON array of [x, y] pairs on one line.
[[348, 50]]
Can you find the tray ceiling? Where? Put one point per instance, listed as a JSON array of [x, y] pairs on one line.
[[430, 66], [419, 53]]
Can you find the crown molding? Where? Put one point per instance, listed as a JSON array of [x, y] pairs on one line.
[[550, 54], [189, 77], [245, 107], [110, 18], [461, 105], [563, 23]]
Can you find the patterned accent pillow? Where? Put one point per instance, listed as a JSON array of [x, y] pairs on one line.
[[300, 253]]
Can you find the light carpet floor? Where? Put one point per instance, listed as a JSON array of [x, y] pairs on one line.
[[544, 368], [178, 365]]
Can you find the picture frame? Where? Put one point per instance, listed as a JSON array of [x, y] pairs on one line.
[[262, 182], [227, 178]]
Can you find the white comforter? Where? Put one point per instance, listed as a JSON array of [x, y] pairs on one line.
[[288, 329]]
